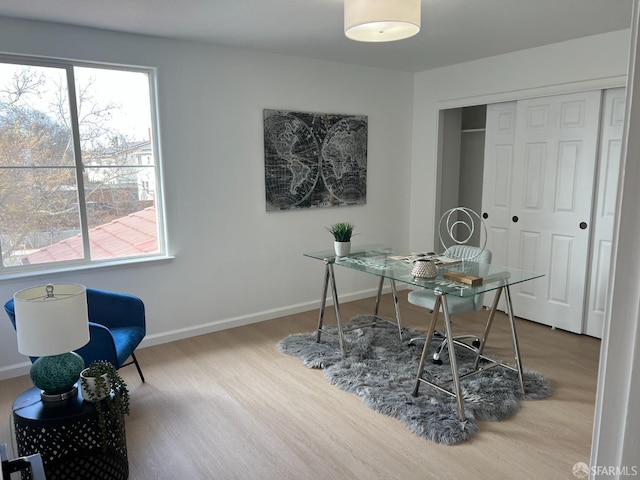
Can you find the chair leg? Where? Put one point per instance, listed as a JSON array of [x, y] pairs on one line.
[[135, 361]]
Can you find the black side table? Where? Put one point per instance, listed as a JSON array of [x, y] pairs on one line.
[[67, 436]]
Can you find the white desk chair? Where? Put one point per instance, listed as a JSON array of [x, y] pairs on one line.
[[427, 299], [457, 227]]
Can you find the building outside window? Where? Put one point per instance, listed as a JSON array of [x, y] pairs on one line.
[[79, 172]]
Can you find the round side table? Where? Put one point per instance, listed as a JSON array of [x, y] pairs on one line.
[[67, 436]]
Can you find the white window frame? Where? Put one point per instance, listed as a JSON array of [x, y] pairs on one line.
[[17, 271]]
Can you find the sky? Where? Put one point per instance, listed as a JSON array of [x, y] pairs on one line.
[[127, 89]]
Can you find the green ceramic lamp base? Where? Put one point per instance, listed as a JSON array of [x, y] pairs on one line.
[[57, 375]]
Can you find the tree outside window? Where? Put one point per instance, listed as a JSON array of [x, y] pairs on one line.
[[78, 176]]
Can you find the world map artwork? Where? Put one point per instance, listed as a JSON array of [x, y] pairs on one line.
[[314, 160]]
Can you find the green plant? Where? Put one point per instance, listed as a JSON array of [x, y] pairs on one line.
[[341, 231], [110, 396]]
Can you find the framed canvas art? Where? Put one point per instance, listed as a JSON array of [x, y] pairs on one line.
[[314, 159]]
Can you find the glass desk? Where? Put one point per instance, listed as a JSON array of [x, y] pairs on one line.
[[387, 263]]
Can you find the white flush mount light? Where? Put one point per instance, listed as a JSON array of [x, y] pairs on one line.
[[381, 20]]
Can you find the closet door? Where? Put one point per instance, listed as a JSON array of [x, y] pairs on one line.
[[500, 135], [604, 210], [497, 177], [551, 200]]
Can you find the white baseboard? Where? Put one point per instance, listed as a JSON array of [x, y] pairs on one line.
[[15, 370], [182, 333], [22, 368]]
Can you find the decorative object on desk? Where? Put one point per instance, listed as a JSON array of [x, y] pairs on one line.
[[342, 232], [381, 369], [98, 381], [424, 268], [51, 321], [466, 278], [314, 160]]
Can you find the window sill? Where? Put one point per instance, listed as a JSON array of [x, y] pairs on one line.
[[88, 266]]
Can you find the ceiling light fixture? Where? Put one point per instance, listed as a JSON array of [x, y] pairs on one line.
[[381, 20]]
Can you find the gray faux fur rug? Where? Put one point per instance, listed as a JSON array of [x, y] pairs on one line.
[[381, 369]]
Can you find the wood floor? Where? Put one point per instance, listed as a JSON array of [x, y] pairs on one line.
[[229, 405]]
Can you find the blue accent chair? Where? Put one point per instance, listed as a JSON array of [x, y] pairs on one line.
[[116, 327]]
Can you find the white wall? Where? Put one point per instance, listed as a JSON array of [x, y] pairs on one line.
[[616, 440], [598, 61], [235, 263]]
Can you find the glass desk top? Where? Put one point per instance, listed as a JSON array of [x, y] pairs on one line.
[[384, 261]]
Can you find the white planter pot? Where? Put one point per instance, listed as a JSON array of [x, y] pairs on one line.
[[342, 248], [91, 382]]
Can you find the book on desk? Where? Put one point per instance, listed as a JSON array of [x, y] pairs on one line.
[[439, 260]]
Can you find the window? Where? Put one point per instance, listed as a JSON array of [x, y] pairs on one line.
[[72, 187]]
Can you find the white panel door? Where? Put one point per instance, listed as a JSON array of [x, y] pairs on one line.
[[551, 198], [500, 135], [604, 210]]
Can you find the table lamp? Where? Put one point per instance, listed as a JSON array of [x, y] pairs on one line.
[[51, 321]]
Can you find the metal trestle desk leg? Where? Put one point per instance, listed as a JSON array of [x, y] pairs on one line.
[[396, 304], [329, 278], [441, 300], [330, 281], [514, 337]]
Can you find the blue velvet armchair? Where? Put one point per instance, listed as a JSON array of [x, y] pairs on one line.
[[116, 327]]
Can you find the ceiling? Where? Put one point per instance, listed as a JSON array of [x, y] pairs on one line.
[[453, 31]]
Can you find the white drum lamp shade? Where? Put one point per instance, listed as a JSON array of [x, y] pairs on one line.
[[381, 20], [51, 325], [51, 321]]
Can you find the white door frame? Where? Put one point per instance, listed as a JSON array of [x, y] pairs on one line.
[[616, 431]]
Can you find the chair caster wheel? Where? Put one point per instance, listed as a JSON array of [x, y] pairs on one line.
[[437, 361], [476, 343]]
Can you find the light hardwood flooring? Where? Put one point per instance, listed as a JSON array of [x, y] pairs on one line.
[[229, 405]]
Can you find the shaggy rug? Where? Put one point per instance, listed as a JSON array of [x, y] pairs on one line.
[[381, 369]]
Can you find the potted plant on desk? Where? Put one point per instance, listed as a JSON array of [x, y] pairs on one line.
[[98, 382], [342, 232]]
